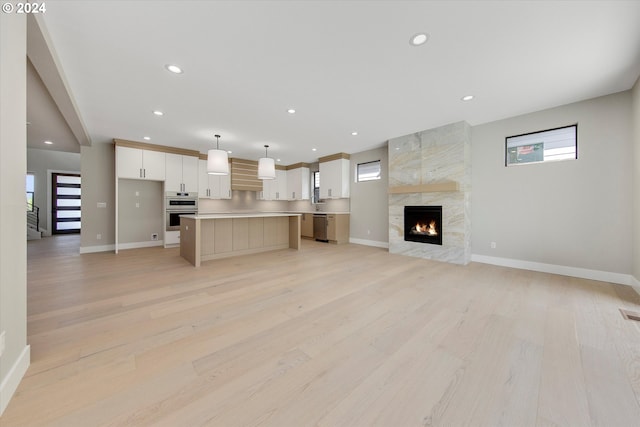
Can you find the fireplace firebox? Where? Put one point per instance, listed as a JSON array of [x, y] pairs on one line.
[[423, 224]]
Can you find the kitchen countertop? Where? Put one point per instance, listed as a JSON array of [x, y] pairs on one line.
[[219, 215], [256, 214], [322, 212]]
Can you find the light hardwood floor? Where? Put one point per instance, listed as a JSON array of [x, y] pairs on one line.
[[329, 335]]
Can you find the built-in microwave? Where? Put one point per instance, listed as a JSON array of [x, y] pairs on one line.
[[174, 201]]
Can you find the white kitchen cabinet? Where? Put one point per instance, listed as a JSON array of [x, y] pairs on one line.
[[212, 186], [224, 187], [298, 183], [136, 163], [265, 193], [204, 186], [274, 189], [181, 173], [171, 238], [334, 179], [281, 185]]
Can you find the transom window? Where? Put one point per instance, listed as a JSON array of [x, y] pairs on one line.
[[368, 171], [542, 146]]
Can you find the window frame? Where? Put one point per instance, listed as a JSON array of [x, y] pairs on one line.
[[357, 177], [508, 138], [31, 192], [315, 186]]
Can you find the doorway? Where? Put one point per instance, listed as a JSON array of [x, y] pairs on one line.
[[66, 191]]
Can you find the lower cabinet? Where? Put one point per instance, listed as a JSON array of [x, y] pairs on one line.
[[306, 225], [171, 238], [338, 228]]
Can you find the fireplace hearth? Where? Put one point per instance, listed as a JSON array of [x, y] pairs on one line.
[[423, 224]]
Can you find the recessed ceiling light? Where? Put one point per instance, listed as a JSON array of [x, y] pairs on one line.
[[48, 142], [418, 39], [174, 69], [229, 151], [278, 160], [291, 111], [158, 113], [354, 133], [146, 138], [467, 98], [313, 149]]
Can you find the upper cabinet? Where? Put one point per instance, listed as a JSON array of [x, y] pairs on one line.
[[212, 186], [298, 178], [275, 189], [185, 171], [137, 163], [281, 184], [181, 173], [334, 176]]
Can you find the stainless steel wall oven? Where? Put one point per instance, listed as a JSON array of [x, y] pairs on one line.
[[177, 204]]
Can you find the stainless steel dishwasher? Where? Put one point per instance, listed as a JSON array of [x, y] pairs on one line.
[[320, 227]]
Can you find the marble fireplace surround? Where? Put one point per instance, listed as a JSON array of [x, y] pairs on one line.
[[432, 167]]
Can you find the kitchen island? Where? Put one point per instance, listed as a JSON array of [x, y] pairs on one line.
[[204, 237]]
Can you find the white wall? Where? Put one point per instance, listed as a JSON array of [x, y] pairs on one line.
[[141, 210], [13, 165], [98, 186], [38, 163], [635, 114], [369, 201], [572, 213]]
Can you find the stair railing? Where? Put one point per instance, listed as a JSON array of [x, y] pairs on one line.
[[33, 217]]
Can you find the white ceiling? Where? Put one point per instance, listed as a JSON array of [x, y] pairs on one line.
[[343, 65]]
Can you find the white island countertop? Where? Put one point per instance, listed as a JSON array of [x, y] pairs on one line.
[[223, 215], [318, 212]]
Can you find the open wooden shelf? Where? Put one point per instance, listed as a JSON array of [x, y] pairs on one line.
[[434, 187]]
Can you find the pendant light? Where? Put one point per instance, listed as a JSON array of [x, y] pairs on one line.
[[217, 160], [266, 166]]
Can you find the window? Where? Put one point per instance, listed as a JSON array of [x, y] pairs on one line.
[[368, 171], [30, 191], [543, 146], [316, 187]]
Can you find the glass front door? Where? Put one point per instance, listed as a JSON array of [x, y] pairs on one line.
[[66, 203]]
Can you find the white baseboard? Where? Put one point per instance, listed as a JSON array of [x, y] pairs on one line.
[[9, 384], [121, 246], [583, 273], [635, 284], [136, 245], [93, 249], [369, 243]]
